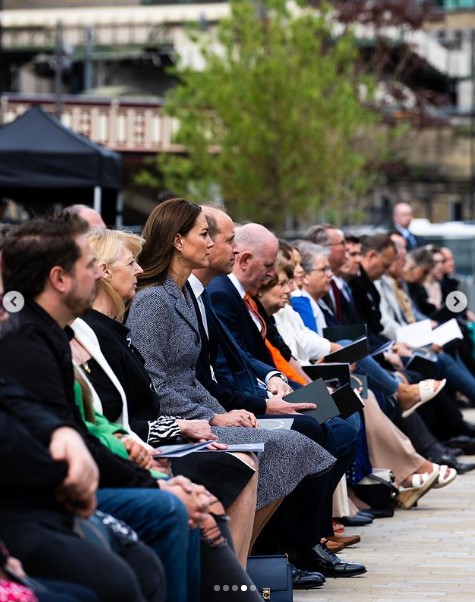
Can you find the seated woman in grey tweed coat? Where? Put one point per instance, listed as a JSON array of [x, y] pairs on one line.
[[164, 328]]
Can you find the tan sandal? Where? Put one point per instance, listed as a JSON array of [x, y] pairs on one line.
[[445, 475], [426, 393], [421, 483]]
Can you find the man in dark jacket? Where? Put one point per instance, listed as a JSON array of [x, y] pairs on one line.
[[50, 263], [247, 359], [47, 479]]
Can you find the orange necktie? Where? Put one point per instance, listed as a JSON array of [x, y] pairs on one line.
[[283, 365], [252, 307]]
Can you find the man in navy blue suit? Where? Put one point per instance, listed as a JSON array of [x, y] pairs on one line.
[[250, 268]]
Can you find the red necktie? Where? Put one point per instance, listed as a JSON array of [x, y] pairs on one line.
[[337, 296], [252, 307]]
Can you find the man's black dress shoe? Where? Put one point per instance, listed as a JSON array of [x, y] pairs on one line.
[[452, 462], [306, 579], [359, 520], [320, 559], [464, 442], [462, 467]]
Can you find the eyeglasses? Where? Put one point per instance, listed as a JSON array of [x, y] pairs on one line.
[[326, 270], [334, 244]]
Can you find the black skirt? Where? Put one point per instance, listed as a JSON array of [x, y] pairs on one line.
[[221, 473]]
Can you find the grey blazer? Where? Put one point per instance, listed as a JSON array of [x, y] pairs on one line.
[[164, 327]]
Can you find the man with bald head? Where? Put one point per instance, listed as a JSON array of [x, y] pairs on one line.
[[222, 259], [90, 215], [255, 256], [402, 217], [238, 265]]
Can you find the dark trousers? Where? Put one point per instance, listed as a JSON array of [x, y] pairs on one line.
[[442, 416], [48, 548], [227, 571], [305, 515]]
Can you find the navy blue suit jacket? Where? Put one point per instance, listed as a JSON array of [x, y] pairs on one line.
[[241, 391], [232, 311]]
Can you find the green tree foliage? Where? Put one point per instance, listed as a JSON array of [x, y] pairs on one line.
[[275, 118]]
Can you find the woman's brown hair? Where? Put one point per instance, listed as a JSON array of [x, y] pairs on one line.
[[172, 217]]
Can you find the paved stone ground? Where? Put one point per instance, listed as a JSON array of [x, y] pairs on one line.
[[423, 554]]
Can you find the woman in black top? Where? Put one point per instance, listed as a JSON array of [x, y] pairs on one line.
[[231, 479]]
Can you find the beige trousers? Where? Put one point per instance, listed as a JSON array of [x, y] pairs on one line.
[[388, 446]]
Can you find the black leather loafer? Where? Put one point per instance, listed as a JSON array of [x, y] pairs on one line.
[[320, 559], [462, 467], [464, 443], [306, 579], [452, 462]]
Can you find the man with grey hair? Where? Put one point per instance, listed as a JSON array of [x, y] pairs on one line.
[[331, 238]]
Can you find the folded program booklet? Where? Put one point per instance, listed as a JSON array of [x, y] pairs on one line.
[[180, 450], [422, 364], [347, 401], [348, 332], [383, 348], [318, 394], [351, 353], [360, 383], [329, 372], [271, 424], [242, 447]]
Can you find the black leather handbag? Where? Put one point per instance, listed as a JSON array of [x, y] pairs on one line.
[[272, 576], [378, 491]]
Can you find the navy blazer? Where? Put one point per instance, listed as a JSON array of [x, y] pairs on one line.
[[241, 392], [233, 312]]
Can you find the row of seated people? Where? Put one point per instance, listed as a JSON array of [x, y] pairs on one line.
[[365, 284], [49, 483], [194, 361], [382, 297], [56, 259]]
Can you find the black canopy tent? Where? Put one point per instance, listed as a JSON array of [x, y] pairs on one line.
[[43, 163]]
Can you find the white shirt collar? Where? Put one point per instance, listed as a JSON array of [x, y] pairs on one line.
[[239, 287], [196, 285], [339, 281], [198, 289]]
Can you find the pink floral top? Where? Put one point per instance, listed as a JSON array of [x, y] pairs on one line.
[[13, 592]]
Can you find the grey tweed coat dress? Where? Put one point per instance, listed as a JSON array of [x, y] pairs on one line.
[[164, 328]]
